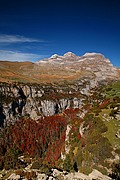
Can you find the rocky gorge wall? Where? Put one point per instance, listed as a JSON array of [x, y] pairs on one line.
[[36, 100]]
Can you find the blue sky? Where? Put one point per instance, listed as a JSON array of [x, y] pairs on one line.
[[33, 30]]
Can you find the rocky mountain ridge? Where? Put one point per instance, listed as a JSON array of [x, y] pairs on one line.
[[95, 63], [59, 68], [70, 58]]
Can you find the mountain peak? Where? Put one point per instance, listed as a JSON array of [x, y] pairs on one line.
[[90, 60], [69, 54]]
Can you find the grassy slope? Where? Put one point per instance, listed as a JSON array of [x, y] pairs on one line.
[[30, 72], [112, 89], [12, 71], [113, 123], [97, 142]]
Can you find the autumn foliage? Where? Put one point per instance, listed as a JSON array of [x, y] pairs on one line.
[[34, 138]]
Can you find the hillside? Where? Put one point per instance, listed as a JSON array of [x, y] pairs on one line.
[[87, 137]]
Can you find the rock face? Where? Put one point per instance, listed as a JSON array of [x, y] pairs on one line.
[[35, 101]]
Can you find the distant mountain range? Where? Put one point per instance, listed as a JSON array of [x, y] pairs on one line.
[[57, 68]]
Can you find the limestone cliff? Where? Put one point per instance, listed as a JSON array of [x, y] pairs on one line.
[[19, 100]]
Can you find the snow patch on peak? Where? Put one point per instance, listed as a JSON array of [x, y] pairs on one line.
[[54, 56], [91, 54]]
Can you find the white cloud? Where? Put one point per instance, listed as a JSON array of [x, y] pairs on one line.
[[18, 56], [4, 38]]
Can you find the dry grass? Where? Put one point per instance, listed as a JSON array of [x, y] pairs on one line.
[[44, 73], [30, 72]]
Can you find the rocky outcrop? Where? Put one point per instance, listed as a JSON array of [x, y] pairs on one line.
[[63, 175], [98, 175], [67, 143], [13, 177]]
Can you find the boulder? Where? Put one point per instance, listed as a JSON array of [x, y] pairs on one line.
[[76, 176], [42, 176], [95, 174]]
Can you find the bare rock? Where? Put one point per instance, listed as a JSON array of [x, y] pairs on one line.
[[41, 177], [76, 176], [13, 177], [98, 175]]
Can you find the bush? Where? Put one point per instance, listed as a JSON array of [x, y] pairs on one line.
[[68, 164], [36, 165], [30, 175], [101, 150], [11, 158]]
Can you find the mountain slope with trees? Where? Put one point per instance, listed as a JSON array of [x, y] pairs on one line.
[[92, 141]]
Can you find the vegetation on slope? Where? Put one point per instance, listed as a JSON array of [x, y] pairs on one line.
[[45, 139]]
